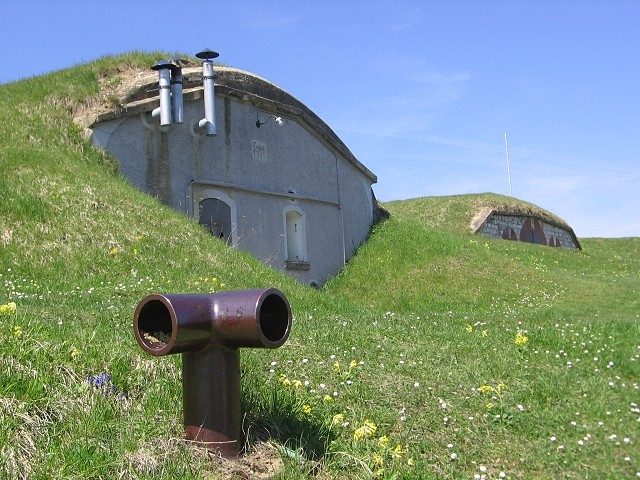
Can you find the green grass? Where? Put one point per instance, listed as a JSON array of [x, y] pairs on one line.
[[405, 337]]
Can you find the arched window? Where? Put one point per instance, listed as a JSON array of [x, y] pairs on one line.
[[215, 216], [216, 212], [295, 235]]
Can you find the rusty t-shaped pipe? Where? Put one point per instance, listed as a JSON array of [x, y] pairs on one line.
[[208, 329]]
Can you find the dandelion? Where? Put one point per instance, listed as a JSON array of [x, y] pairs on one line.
[[521, 339], [367, 430], [306, 409]]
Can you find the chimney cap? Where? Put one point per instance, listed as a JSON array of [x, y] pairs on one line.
[[177, 61], [161, 65], [207, 54]]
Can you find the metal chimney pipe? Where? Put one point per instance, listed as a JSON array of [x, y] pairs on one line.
[[209, 120], [177, 103], [163, 67], [209, 329]]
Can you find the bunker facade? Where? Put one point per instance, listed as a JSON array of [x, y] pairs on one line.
[[274, 179]]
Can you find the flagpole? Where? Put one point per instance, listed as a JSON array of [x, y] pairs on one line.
[[506, 148]]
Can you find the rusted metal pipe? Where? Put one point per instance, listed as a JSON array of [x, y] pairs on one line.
[[209, 330]]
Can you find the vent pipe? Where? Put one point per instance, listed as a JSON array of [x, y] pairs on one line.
[[209, 120], [163, 67], [177, 104], [209, 330]]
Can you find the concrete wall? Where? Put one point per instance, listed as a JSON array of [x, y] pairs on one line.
[[522, 228], [260, 172]]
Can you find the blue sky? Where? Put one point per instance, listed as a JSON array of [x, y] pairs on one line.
[[422, 92]]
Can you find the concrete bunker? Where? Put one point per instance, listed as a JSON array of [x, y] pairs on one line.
[[254, 165]]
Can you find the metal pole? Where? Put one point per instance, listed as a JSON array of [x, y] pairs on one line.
[[506, 147]]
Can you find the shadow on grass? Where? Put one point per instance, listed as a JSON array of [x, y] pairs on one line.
[[278, 417]]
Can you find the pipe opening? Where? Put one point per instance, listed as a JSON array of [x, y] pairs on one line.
[[274, 318], [154, 325]]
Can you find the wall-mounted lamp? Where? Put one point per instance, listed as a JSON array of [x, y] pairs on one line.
[[276, 118]]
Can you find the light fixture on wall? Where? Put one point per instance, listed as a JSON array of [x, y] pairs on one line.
[[276, 118]]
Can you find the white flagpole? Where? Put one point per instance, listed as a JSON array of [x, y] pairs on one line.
[[506, 147]]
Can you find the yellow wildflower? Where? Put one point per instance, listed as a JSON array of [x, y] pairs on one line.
[[376, 458], [353, 364], [17, 331], [114, 251], [397, 452], [486, 389], [328, 398], [338, 419], [469, 328], [410, 462], [296, 384], [8, 308], [336, 366], [489, 406], [367, 430], [521, 339], [383, 441], [75, 353], [306, 409]]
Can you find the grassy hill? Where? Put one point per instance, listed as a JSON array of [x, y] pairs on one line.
[[434, 354]]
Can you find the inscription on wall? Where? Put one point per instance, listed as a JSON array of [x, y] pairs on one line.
[[258, 150]]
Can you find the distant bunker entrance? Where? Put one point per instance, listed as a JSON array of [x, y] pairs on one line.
[[524, 227]]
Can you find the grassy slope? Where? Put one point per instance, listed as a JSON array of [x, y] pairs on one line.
[[424, 315]]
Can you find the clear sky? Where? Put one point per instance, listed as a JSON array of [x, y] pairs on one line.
[[422, 92]]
